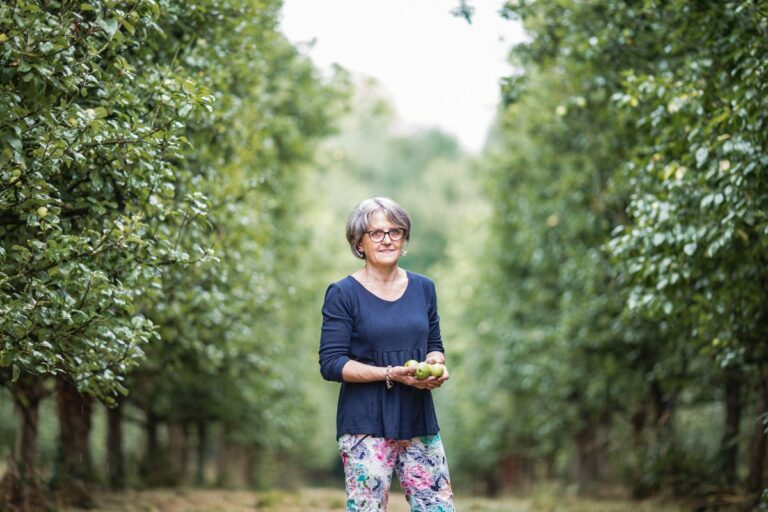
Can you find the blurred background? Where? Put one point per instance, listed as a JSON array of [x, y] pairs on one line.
[[588, 190]]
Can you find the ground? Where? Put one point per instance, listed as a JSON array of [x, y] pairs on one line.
[[325, 500]]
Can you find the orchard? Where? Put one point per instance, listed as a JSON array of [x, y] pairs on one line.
[[174, 182]]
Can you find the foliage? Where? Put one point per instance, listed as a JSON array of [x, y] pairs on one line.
[[92, 128], [164, 233], [625, 268], [695, 246], [153, 153], [224, 328]]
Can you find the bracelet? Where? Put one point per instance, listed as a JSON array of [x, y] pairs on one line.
[[387, 378]]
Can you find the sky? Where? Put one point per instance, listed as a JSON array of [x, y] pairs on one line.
[[438, 70]]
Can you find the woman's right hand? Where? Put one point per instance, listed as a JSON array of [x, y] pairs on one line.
[[405, 375]]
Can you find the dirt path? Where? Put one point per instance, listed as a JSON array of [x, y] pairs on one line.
[[302, 500], [327, 500]]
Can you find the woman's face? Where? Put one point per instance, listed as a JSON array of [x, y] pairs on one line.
[[384, 253]]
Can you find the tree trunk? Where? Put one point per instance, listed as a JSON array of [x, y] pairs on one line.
[[152, 462], [664, 407], [639, 486], [550, 465], [202, 448], [223, 462], [179, 452], [74, 469], [115, 457], [528, 473], [664, 404], [586, 468], [20, 488], [638, 424], [601, 459], [509, 472], [492, 483], [251, 466], [730, 445], [755, 478], [664, 412]]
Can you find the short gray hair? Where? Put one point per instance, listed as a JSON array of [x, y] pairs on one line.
[[358, 221]]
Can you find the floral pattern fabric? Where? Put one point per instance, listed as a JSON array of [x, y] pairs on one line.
[[420, 465]]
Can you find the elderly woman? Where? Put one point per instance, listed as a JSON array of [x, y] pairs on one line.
[[374, 321]]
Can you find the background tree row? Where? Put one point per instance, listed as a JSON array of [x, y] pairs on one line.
[[617, 332], [151, 160]]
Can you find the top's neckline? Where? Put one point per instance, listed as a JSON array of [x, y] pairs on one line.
[[408, 285]]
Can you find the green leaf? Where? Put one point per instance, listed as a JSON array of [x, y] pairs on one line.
[[128, 26], [109, 26], [701, 156]]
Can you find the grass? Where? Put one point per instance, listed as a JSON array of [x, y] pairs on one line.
[[207, 500], [325, 500], [557, 500]]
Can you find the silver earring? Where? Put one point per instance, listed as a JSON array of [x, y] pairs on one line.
[[403, 252]]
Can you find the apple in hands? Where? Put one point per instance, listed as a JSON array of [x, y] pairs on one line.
[[423, 370], [436, 370], [425, 375]]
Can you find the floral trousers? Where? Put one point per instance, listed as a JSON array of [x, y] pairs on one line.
[[420, 465]]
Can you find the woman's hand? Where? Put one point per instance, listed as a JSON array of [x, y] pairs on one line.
[[405, 376]]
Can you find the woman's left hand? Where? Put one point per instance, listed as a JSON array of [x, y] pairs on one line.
[[438, 358], [444, 377]]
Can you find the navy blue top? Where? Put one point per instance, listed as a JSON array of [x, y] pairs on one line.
[[361, 326]]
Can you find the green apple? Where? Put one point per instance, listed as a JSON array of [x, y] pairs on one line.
[[410, 363], [422, 371], [436, 370]]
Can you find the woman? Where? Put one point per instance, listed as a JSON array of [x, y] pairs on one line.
[[374, 321]]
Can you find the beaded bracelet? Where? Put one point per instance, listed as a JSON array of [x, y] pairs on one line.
[[387, 378]]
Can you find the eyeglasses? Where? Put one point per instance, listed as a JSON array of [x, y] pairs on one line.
[[377, 235]]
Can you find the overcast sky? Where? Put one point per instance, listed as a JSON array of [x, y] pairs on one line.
[[438, 69]]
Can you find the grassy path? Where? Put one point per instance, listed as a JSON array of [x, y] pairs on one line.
[[326, 500]]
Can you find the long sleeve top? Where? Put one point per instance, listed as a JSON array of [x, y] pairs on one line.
[[361, 326]]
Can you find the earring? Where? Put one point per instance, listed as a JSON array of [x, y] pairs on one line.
[[403, 252]]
